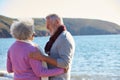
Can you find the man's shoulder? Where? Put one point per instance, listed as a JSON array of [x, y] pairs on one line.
[[65, 37], [65, 34]]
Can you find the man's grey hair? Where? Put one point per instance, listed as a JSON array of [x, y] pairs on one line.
[[54, 17], [22, 30]]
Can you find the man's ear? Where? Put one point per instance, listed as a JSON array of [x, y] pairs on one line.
[[57, 21]]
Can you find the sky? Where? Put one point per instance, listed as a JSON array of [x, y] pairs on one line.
[[108, 10]]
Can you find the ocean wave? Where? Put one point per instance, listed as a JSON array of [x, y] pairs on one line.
[[74, 76], [77, 76], [6, 76]]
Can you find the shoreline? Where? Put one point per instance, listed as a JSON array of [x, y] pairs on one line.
[[74, 76]]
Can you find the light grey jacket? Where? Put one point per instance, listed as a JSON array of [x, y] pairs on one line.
[[63, 51]]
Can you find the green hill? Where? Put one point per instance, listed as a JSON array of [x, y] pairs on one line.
[[5, 23], [91, 26], [76, 26]]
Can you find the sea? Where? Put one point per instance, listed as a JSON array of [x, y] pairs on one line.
[[97, 57]]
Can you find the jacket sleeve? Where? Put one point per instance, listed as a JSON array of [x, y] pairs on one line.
[[41, 71], [9, 64], [65, 51]]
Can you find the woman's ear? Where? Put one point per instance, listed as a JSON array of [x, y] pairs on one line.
[[31, 38]]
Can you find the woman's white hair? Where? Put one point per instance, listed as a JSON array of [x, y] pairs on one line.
[[22, 29], [54, 17]]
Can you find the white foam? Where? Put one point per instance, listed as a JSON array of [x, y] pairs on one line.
[[77, 76], [6, 75], [74, 76]]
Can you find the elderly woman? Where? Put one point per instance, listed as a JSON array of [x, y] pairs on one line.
[[18, 61]]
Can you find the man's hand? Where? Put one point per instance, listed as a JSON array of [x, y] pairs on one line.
[[66, 70], [36, 55]]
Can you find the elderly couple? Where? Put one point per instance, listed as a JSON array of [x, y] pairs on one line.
[[24, 58]]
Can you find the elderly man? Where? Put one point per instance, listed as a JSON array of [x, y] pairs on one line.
[[60, 47]]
